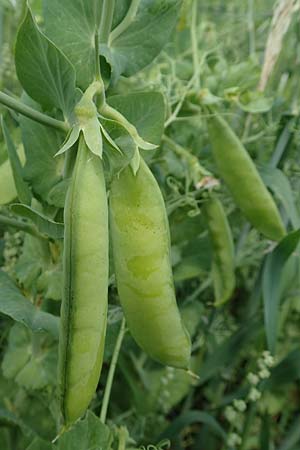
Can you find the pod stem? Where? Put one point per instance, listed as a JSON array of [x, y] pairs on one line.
[[111, 371], [21, 225], [32, 113], [126, 22]]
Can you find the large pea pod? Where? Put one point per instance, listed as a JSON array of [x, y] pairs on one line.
[[85, 267], [243, 180], [8, 191], [223, 249], [141, 251]]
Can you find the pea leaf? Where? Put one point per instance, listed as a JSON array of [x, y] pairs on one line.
[[40, 444], [271, 281], [188, 418], [71, 25], [140, 43], [44, 72], [278, 182], [145, 110], [8, 191], [44, 224], [89, 433], [23, 191], [28, 360], [42, 170], [20, 309]]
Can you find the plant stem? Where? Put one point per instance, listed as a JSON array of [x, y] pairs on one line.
[[251, 28], [111, 372], [126, 22], [33, 114], [20, 225], [97, 58], [194, 39], [106, 20]]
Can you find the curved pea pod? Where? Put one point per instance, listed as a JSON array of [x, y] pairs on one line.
[[141, 251], [223, 250], [8, 191], [243, 180], [85, 268]]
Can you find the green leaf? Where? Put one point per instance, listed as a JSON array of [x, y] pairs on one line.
[[46, 226], [145, 110], [89, 433], [122, 142], [20, 309], [71, 25], [51, 283], [145, 37], [278, 182], [255, 102], [28, 360], [40, 444], [42, 170], [191, 417], [8, 191], [272, 276], [227, 353], [57, 194], [44, 72], [285, 372], [23, 191]]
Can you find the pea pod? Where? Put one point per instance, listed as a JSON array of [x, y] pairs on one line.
[[85, 267], [243, 180], [223, 249], [141, 251], [8, 191]]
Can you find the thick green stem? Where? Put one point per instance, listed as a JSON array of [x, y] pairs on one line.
[[20, 225], [111, 372], [126, 22], [106, 20], [33, 114]]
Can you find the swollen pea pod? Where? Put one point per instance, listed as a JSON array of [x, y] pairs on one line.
[[141, 251], [8, 191], [243, 180], [223, 249], [85, 267]]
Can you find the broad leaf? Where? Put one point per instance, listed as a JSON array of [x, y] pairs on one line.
[[272, 278], [23, 191], [45, 225], [8, 191], [278, 182], [20, 309], [191, 417], [145, 37], [71, 25], [89, 433], [145, 110], [44, 72], [29, 360], [42, 170]]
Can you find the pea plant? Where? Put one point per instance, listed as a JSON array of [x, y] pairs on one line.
[[149, 225]]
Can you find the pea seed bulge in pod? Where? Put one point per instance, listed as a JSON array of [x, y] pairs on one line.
[[149, 225]]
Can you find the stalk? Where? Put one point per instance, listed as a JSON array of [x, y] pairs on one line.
[[126, 22], [31, 113], [111, 372], [106, 20]]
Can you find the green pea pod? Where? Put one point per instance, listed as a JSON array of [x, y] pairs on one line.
[[141, 250], [8, 191], [84, 305], [223, 250], [243, 180]]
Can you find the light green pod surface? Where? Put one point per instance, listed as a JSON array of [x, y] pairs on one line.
[[141, 250], [223, 250], [8, 190], [243, 180], [84, 305]]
